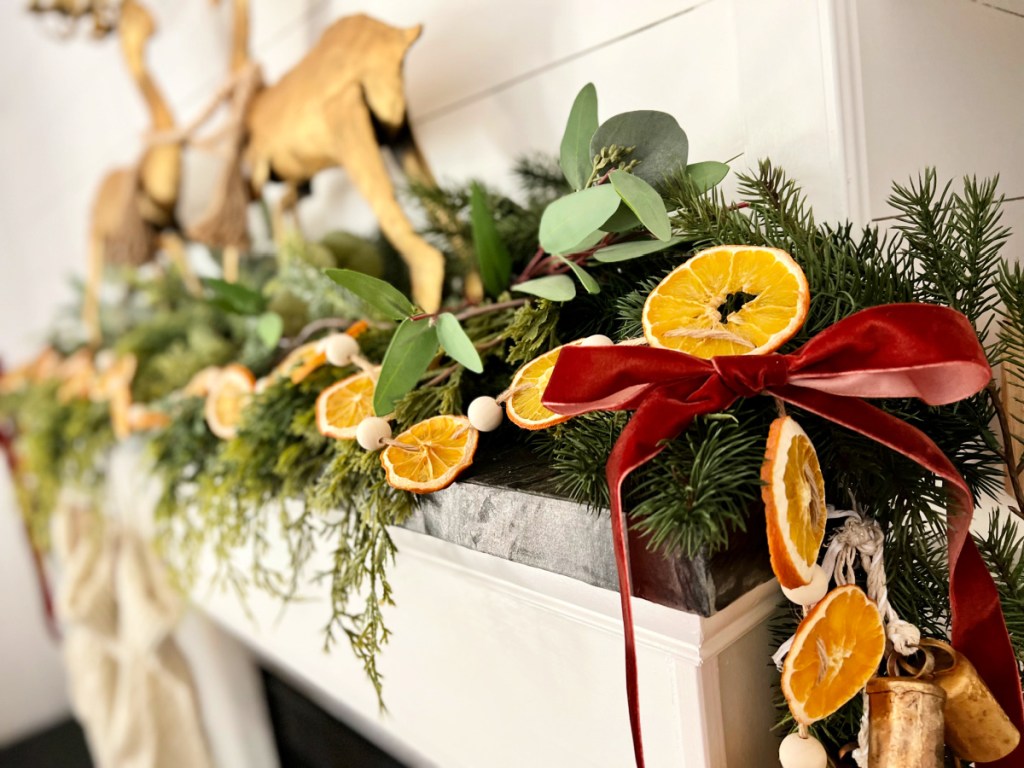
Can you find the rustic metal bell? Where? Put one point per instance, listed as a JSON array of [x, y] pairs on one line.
[[905, 723], [977, 728]]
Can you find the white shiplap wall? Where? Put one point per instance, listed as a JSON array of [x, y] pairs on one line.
[[488, 81]]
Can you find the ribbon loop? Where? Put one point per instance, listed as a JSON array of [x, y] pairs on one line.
[[749, 375]]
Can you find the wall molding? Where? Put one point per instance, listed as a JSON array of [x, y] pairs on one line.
[[840, 41]]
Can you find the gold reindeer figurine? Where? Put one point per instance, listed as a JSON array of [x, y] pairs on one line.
[[327, 112], [133, 204]]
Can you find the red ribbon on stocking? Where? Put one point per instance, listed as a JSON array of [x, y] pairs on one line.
[[897, 350]]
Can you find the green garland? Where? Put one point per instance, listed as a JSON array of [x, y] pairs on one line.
[[280, 480]]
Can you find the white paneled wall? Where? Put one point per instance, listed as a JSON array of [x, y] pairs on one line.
[[846, 94], [941, 87]]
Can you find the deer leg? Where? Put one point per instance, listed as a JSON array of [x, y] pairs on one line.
[[287, 206], [91, 296], [229, 262], [356, 150], [175, 248], [417, 170]]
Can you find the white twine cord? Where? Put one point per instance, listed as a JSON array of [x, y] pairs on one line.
[[861, 538]]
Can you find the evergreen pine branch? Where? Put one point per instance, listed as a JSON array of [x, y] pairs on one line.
[[703, 486], [1002, 548], [955, 242], [541, 179]]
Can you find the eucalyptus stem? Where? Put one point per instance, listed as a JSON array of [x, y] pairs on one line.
[[310, 329], [485, 309]]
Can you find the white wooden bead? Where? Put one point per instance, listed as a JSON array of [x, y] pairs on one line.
[[485, 414], [811, 593], [105, 359], [797, 752], [340, 348], [597, 340], [372, 432]]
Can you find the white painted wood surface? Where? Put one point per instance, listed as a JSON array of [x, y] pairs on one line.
[[498, 664]]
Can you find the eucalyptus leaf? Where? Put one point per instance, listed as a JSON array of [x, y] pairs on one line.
[[575, 157], [588, 282], [623, 220], [382, 296], [491, 254], [707, 175], [644, 201], [660, 144], [235, 297], [552, 288], [457, 345], [269, 328], [588, 242], [633, 249], [570, 219], [412, 348]]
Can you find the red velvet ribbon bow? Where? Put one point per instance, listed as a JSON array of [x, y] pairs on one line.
[[898, 350]]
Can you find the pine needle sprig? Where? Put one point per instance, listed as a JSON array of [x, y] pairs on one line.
[[955, 242], [1002, 548], [704, 486]]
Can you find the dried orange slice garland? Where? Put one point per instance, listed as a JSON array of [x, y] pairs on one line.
[[229, 393], [836, 650], [728, 300], [523, 404], [430, 455], [794, 503], [343, 405]]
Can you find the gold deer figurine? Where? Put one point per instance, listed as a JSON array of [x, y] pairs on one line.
[[133, 205], [327, 112]]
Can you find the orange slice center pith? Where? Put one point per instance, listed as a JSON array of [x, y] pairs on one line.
[[835, 651], [432, 454], [728, 300], [341, 406]]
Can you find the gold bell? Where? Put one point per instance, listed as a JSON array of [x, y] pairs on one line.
[[905, 723], [977, 728]]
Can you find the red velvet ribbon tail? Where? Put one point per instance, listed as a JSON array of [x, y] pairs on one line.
[[658, 419], [620, 545]]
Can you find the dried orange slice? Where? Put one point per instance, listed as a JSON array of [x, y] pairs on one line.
[[142, 419], [794, 502], [201, 382], [431, 455], [344, 404], [229, 394], [524, 407], [300, 362], [43, 366], [120, 410], [836, 649], [728, 300], [115, 379], [357, 329], [76, 374]]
